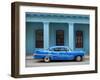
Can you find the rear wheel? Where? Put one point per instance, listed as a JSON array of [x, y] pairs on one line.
[[78, 58], [47, 59]]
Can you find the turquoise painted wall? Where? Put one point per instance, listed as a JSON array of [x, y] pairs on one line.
[[85, 29], [30, 35], [32, 26], [36, 21], [58, 26]]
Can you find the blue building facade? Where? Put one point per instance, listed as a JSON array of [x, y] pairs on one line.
[[44, 30]]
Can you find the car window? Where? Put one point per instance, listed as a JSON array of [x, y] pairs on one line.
[[63, 49], [60, 49], [57, 49], [66, 49]]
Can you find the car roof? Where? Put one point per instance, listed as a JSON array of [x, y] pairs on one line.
[[59, 47]]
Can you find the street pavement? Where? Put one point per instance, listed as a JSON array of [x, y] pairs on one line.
[[30, 62]]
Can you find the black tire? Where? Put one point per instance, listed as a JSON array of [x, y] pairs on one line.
[[78, 58], [47, 59]]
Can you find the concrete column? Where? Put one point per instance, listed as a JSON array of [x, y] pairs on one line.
[[71, 35], [46, 35]]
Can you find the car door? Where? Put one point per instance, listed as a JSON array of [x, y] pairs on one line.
[[55, 54], [59, 53], [64, 54]]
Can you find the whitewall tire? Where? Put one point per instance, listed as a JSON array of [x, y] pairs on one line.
[[47, 59], [78, 58]]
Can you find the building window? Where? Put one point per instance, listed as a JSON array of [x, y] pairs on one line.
[[59, 37], [39, 38], [79, 39]]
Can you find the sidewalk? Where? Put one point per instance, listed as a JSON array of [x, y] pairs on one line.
[[29, 57]]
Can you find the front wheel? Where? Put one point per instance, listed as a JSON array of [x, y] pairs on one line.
[[78, 58], [46, 59]]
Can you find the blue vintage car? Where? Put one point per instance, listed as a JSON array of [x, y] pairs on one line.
[[58, 53]]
